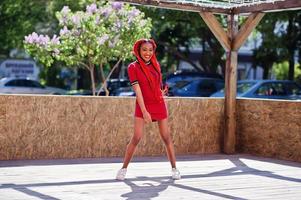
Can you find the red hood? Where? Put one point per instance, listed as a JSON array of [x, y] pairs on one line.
[[145, 69], [153, 59]]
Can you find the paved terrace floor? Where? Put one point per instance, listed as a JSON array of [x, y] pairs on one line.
[[203, 177]]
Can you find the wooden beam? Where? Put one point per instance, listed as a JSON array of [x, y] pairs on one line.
[[246, 29], [195, 7], [230, 89], [190, 7], [269, 7], [216, 29]]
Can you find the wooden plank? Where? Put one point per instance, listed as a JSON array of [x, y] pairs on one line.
[[269, 7], [203, 177], [230, 103], [230, 89], [178, 6], [246, 29], [216, 29], [262, 7]]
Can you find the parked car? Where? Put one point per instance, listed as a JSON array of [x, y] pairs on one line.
[[173, 78], [79, 92], [116, 84], [125, 91], [113, 85], [269, 89], [26, 86], [196, 87]]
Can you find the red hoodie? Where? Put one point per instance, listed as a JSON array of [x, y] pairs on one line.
[[155, 85], [149, 78]]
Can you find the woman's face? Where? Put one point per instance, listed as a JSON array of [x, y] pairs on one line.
[[146, 51]]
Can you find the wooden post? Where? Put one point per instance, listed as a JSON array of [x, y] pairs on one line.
[[230, 88], [227, 41], [231, 41], [237, 38]]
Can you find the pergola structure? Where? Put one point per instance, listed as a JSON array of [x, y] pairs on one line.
[[231, 39]]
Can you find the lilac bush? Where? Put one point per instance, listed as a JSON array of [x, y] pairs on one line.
[[101, 34]]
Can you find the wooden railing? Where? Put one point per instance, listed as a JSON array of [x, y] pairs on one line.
[[43, 127]]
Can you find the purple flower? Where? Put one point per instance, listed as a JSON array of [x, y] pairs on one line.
[[40, 40], [134, 13], [117, 5], [43, 40], [34, 38], [63, 20], [97, 20], [35, 35], [55, 40], [65, 10], [91, 8], [29, 39], [76, 20], [64, 31], [103, 39], [113, 43], [118, 25], [77, 32], [107, 12]]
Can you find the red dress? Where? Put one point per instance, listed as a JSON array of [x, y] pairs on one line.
[[154, 105]]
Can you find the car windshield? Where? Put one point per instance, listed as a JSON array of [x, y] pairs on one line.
[[181, 84], [293, 89], [243, 87]]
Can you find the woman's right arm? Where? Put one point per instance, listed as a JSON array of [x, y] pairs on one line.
[[146, 116]]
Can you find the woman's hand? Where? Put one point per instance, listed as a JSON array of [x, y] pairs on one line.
[[147, 117], [165, 90]]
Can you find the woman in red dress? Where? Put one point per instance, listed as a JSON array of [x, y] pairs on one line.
[[146, 79]]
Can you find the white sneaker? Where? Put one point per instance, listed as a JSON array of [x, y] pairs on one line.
[[175, 174], [121, 174]]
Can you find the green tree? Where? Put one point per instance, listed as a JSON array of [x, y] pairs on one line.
[[281, 39], [18, 18], [178, 32], [21, 17], [281, 71], [291, 39], [103, 33]]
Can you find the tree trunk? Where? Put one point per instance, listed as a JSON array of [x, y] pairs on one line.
[[291, 47], [91, 69], [266, 70], [291, 69], [103, 80]]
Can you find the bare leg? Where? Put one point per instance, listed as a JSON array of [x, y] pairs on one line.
[[165, 135], [138, 132]]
